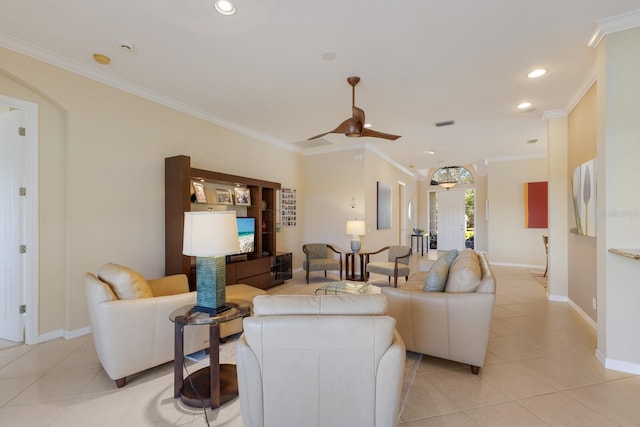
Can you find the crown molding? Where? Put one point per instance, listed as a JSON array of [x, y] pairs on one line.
[[83, 70], [554, 114], [622, 22], [519, 157]]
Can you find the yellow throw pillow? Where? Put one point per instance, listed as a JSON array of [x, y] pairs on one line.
[[125, 283]]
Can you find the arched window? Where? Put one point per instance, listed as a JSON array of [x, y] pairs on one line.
[[449, 176]]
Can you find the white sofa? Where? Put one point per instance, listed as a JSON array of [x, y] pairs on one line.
[[333, 360], [130, 318], [453, 324]]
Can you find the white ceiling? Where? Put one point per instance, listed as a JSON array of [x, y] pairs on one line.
[[261, 71]]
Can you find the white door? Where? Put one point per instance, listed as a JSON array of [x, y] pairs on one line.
[[12, 177], [451, 221]]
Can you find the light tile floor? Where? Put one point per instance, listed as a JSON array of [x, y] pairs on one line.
[[540, 371]]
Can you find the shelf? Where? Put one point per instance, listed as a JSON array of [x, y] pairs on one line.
[[179, 180], [629, 253]]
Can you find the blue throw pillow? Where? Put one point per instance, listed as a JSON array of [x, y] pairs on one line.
[[437, 277]]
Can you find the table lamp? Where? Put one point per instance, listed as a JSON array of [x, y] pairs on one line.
[[209, 236], [356, 228]]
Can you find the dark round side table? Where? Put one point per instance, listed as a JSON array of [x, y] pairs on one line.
[[216, 384]]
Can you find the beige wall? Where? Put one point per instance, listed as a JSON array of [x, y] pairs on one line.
[[582, 141], [509, 242], [102, 177], [331, 180], [617, 177]]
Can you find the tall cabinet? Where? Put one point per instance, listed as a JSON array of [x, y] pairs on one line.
[[257, 268]]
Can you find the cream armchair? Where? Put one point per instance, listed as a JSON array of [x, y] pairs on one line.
[[321, 361], [130, 320]]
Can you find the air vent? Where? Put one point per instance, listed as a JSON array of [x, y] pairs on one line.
[[532, 141], [445, 123]]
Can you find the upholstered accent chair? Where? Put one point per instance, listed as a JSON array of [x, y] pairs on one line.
[[130, 319], [330, 360], [397, 263], [321, 257]]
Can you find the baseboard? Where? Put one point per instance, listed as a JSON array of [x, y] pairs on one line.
[[62, 333], [511, 264], [621, 366], [584, 315], [557, 298]]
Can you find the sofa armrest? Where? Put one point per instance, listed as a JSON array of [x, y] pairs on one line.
[[169, 285], [389, 382], [133, 335]]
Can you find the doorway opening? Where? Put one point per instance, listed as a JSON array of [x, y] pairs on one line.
[[451, 209]]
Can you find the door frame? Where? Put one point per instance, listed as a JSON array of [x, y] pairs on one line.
[[402, 217], [459, 187], [31, 237]]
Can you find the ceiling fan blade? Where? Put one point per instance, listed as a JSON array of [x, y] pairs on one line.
[[349, 126], [358, 114], [376, 134]]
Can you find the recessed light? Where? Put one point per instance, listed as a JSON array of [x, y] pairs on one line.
[[524, 105], [537, 73], [328, 55], [225, 7], [432, 152], [101, 59]]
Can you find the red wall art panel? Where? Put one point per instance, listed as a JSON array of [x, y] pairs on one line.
[[536, 205]]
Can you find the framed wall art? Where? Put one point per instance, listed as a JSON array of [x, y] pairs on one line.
[[243, 197], [198, 189], [288, 207], [384, 206], [224, 197]]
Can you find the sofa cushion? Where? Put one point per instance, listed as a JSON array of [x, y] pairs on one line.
[[437, 277], [464, 273], [125, 283]]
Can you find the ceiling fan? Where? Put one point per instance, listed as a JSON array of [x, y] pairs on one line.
[[354, 126]]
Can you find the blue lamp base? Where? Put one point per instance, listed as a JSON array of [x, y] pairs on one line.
[[355, 246], [211, 285]]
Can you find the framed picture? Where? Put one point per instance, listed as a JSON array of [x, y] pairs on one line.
[[243, 198], [223, 197], [384, 206], [198, 188]]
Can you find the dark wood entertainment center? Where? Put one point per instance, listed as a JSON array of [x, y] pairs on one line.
[[262, 268]]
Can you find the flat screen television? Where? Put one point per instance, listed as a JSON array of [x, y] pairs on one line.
[[247, 234]]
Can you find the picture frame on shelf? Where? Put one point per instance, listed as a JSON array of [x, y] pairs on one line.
[[223, 197], [201, 196], [243, 197]]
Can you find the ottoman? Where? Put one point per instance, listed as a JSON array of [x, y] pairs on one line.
[[243, 292]]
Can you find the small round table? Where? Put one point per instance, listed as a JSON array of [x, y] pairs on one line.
[[213, 385]]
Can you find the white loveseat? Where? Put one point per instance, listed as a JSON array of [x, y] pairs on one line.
[[453, 324]]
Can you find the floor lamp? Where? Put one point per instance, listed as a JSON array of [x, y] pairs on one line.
[[209, 236]]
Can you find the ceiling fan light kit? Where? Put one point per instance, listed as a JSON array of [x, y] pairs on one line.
[[355, 126]]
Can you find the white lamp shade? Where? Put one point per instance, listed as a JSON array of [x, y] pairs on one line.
[[356, 228], [210, 234]]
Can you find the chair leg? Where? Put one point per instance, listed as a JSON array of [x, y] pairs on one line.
[[120, 382], [307, 277], [475, 370], [395, 281], [325, 273]]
